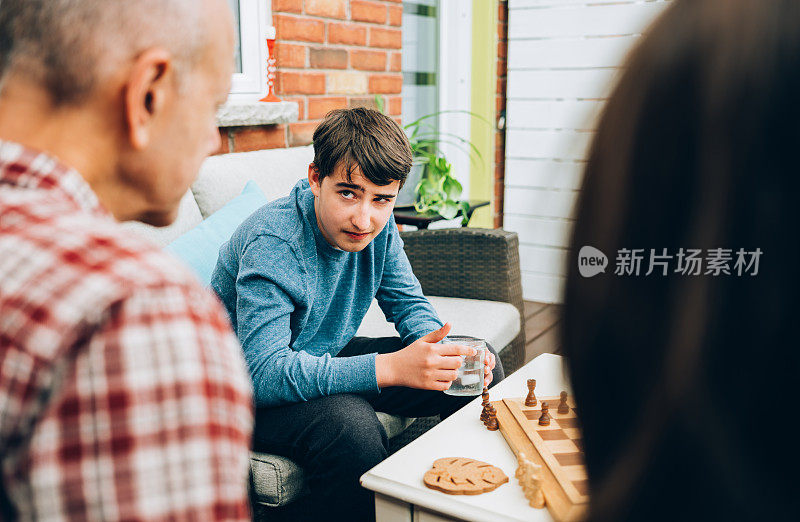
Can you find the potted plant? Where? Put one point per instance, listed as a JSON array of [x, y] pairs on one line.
[[436, 190]]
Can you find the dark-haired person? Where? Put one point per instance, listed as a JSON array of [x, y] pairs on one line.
[[297, 278], [687, 384], [123, 392]]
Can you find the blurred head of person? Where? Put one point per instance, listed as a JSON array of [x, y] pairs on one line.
[[124, 91], [684, 382]]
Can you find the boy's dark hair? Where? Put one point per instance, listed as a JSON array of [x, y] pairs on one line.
[[362, 138]]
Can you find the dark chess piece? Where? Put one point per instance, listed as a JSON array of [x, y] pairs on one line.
[[491, 421], [544, 419], [530, 400], [484, 403], [563, 407]]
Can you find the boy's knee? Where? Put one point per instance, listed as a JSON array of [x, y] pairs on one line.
[[349, 428]]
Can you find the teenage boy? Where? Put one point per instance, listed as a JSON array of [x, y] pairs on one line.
[[297, 278]]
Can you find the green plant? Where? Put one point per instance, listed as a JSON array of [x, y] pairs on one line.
[[438, 191]]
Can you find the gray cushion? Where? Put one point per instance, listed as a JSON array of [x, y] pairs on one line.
[[188, 217], [497, 323], [275, 171], [278, 480]]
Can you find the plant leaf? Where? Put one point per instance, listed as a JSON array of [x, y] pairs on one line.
[[452, 188], [449, 210]]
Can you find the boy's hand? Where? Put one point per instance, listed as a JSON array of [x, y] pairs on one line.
[[423, 364], [488, 366]]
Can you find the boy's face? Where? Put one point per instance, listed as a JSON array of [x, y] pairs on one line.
[[350, 213]]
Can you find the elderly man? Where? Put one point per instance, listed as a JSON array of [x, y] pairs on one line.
[[123, 393]]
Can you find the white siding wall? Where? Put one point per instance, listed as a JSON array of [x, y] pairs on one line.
[[562, 59]]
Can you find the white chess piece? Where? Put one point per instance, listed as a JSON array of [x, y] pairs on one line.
[[530, 477]]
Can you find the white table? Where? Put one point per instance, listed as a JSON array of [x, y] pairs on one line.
[[400, 494]]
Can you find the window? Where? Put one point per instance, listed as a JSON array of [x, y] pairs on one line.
[[251, 18]]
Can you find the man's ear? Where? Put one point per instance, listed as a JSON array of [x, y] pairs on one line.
[[313, 179], [146, 91]]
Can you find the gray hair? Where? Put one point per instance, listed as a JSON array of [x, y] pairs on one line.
[[71, 46]]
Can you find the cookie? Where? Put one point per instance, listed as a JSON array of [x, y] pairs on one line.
[[463, 476]]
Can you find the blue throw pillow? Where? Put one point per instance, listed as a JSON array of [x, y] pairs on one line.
[[199, 247]]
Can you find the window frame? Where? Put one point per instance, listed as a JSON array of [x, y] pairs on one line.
[[251, 83]]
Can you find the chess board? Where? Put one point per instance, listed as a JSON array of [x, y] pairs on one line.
[[558, 447]]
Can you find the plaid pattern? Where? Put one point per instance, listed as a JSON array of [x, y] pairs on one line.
[[123, 392]]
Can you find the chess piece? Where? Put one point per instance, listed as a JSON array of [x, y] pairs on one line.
[[530, 477], [491, 420], [563, 407], [544, 419], [484, 403], [530, 400]]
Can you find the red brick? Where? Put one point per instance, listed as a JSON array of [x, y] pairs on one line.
[[387, 38], [290, 55], [322, 58], [319, 107], [395, 15], [300, 83], [502, 69], [385, 83], [502, 49], [501, 85], [498, 156], [398, 120], [258, 138], [498, 190], [500, 104], [396, 62], [287, 6], [368, 102], [223, 146], [368, 60], [327, 8], [502, 11], [395, 106], [301, 105], [301, 133], [502, 31], [350, 34], [365, 11], [293, 28]]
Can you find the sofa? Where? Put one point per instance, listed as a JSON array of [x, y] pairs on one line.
[[471, 277]]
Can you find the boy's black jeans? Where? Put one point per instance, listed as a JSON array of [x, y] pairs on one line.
[[336, 439]]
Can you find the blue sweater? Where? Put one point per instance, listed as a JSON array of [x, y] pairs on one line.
[[295, 301]]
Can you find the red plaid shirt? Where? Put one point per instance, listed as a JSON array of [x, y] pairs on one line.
[[123, 392]]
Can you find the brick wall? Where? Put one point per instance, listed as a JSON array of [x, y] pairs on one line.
[[500, 142], [330, 54]]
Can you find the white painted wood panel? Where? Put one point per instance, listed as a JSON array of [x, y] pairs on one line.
[[548, 144], [583, 21], [560, 84], [540, 202], [563, 58], [553, 114], [540, 231], [535, 4], [545, 288], [540, 173], [544, 260], [568, 54]]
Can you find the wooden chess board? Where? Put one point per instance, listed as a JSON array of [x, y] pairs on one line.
[[558, 447]]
